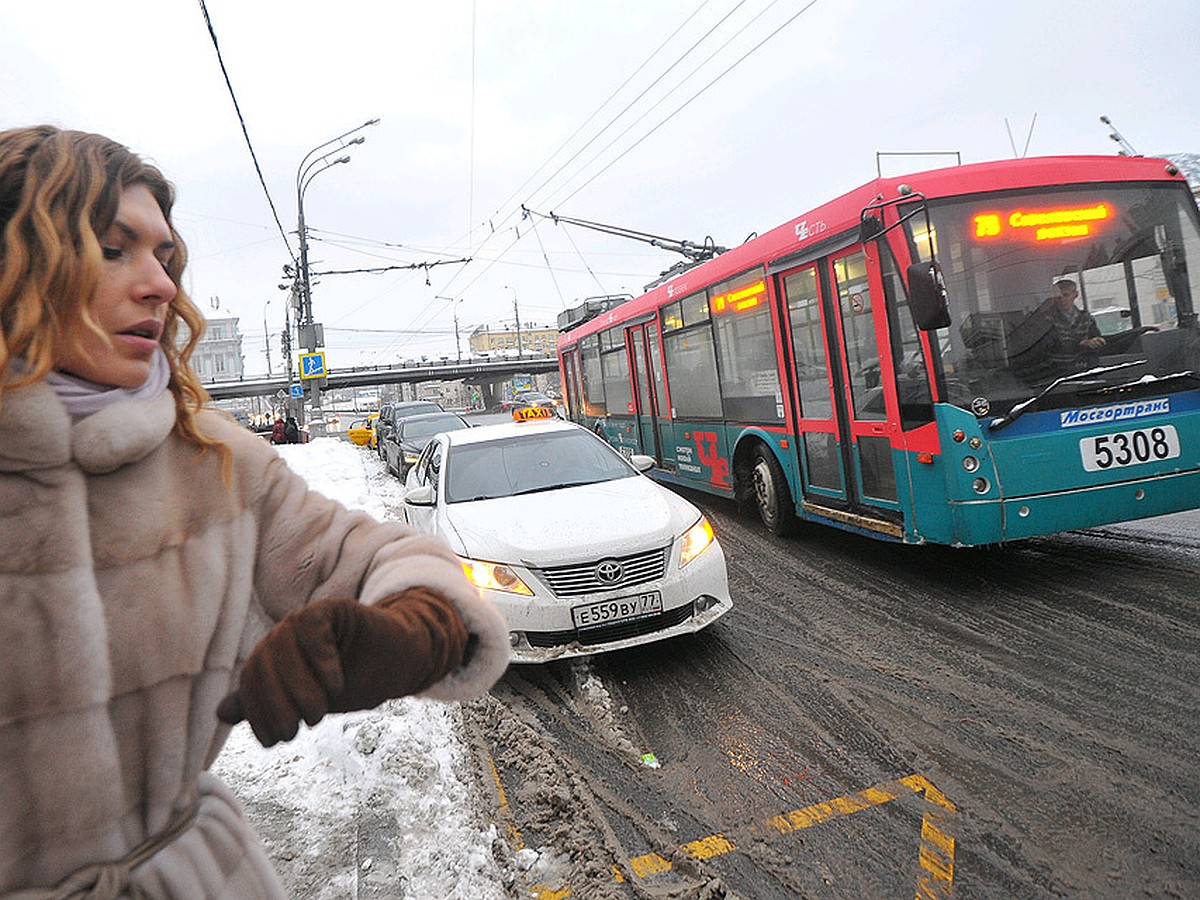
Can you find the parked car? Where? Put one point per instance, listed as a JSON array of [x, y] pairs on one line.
[[405, 442], [391, 413], [581, 552]]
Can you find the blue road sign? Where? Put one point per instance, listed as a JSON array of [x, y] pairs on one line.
[[297, 390], [312, 365]]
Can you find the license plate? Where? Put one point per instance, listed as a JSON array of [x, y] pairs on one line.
[[618, 609], [1129, 448]]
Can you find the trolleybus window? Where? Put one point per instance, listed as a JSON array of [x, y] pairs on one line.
[[746, 349], [614, 364], [858, 325], [691, 363], [808, 344], [908, 354], [593, 380], [1132, 253]]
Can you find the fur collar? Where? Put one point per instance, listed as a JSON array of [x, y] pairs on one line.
[[36, 431]]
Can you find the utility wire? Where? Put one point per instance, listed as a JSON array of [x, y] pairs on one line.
[[653, 55], [213, 34], [613, 121], [660, 124], [691, 99]]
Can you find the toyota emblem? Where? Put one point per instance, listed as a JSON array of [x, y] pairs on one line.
[[609, 571]]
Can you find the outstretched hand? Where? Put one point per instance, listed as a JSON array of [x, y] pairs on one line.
[[342, 655]]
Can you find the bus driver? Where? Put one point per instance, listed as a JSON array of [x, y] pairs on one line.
[[1058, 338]]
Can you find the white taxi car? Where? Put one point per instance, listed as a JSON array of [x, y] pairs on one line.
[[580, 551]]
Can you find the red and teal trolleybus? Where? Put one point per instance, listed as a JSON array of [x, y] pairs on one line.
[[964, 356]]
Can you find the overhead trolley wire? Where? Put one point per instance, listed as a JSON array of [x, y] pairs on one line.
[[245, 133], [641, 94], [653, 54], [690, 100], [611, 122], [493, 229]]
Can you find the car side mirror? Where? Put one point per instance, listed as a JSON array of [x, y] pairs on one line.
[[927, 296], [420, 496], [641, 462]]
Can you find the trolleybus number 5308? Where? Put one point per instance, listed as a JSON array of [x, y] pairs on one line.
[[1129, 448]]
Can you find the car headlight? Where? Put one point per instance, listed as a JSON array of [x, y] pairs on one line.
[[696, 540], [494, 577]]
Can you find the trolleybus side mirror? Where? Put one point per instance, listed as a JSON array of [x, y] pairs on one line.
[[869, 228], [927, 296]]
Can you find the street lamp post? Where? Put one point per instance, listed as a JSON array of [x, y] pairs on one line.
[[267, 338], [457, 345], [314, 163], [456, 302], [517, 316]]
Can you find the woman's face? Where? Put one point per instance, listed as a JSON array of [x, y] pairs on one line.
[[131, 297]]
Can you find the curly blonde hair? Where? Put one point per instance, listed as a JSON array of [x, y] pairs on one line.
[[59, 190]]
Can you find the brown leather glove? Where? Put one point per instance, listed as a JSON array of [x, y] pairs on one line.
[[342, 655]]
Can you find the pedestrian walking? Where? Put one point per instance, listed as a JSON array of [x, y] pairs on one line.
[[166, 575]]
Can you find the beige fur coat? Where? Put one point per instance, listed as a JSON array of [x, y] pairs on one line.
[[134, 582]]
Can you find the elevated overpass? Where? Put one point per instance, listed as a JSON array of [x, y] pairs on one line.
[[491, 371]]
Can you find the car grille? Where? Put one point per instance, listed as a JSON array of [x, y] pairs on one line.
[[606, 634], [580, 578]]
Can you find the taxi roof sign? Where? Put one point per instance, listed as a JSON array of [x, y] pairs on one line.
[[529, 413]]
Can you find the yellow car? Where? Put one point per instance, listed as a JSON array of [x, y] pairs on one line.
[[361, 431]]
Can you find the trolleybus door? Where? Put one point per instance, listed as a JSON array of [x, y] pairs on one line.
[[863, 397], [643, 351], [842, 420], [572, 393], [823, 469]]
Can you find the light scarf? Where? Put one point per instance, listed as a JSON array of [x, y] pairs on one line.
[[82, 397]]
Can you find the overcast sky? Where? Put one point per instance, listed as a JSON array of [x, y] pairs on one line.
[[660, 117]]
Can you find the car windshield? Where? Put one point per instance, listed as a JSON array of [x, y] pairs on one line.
[[528, 464], [404, 410], [1050, 285], [421, 430]]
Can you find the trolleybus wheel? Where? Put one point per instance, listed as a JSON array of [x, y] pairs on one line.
[[771, 494]]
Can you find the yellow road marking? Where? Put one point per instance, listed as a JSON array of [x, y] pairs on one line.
[[936, 857], [505, 811]]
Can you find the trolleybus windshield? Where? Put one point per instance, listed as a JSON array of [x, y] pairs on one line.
[[1046, 284]]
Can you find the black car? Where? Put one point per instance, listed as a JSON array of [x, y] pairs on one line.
[[406, 441], [523, 399], [392, 413]]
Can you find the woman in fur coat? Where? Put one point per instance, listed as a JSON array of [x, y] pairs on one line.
[[163, 574]]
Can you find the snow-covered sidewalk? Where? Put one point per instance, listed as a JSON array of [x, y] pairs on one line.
[[374, 804]]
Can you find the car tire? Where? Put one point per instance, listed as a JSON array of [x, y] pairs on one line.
[[771, 494]]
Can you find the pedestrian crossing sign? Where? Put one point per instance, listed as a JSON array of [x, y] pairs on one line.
[[312, 365]]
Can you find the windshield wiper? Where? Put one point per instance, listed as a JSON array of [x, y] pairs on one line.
[[1024, 406], [1148, 379], [544, 487]]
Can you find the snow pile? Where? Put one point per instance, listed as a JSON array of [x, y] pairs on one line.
[[378, 803]]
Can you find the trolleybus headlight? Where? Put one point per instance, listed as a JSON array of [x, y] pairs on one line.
[[981, 485], [975, 443], [696, 540], [970, 463]]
